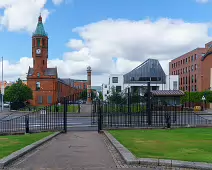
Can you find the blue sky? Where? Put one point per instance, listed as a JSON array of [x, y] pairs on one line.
[[66, 16]]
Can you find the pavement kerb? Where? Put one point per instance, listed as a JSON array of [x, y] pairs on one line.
[[130, 159], [15, 155]]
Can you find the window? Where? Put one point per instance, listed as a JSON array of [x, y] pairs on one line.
[[118, 88], [40, 99], [132, 79], [154, 87], [43, 42], [115, 79], [192, 78], [144, 78], [192, 58], [105, 86], [43, 62], [186, 60], [195, 88], [38, 42], [174, 85], [186, 80], [192, 88], [38, 74], [192, 68], [155, 78], [38, 86], [49, 99], [195, 79], [195, 66]]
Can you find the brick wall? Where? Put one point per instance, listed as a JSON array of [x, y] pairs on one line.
[[81, 84]]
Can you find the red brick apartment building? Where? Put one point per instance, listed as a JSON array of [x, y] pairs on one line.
[[47, 87], [199, 63]]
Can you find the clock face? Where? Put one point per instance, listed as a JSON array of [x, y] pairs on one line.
[[38, 51]]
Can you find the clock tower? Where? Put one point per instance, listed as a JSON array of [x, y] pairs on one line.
[[40, 48], [42, 80]]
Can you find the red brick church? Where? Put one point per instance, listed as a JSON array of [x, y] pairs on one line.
[[47, 87]]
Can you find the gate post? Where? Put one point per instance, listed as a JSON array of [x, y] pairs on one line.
[[99, 116], [64, 115], [27, 123], [149, 112], [128, 99]]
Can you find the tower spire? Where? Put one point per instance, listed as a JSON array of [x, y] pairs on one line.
[[40, 18]]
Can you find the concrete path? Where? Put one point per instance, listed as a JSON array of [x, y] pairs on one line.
[[72, 151]]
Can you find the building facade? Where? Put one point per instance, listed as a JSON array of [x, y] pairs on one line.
[[46, 86], [149, 71], [193, 69]]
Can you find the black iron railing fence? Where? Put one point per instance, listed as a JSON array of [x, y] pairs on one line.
[[138, 116], [144, 111], [49, 118], [46, 119]]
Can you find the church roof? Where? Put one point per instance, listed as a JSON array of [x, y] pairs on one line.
[[40, 31], [48, 72]]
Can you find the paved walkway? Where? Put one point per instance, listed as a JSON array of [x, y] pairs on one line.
[[72, 151]]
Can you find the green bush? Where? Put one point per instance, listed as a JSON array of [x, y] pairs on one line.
[[196, 97]]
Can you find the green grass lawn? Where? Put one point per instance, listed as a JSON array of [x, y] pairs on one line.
[[187, 144], [10, 144]]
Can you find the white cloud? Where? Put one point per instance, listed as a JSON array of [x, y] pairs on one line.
[[75, 44], [22, 14], [131, 42], [202, 1], [57, 2]]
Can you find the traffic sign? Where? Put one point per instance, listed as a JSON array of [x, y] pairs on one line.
[[203, 98]]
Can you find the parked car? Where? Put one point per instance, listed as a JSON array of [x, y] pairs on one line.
[[7, 104]]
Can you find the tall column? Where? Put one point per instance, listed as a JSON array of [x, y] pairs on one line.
[[89, 91]]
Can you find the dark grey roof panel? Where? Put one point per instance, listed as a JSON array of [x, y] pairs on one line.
[[149, 68]]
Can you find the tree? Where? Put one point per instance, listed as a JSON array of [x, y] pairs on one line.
[[100, 95], [84, 94], [18, 92], [116, 97]]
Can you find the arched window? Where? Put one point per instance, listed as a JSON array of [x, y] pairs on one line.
[[38, 74], [37, 85]]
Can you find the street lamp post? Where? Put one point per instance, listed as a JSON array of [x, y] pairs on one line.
[[2, 89], [189, 88]]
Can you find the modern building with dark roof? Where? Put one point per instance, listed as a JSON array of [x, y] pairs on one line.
[[194, 69], [46, 86], [148, 71]]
